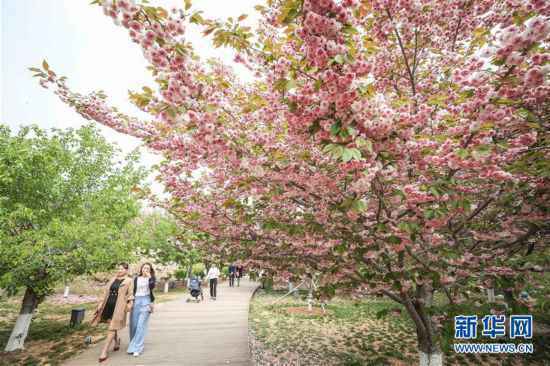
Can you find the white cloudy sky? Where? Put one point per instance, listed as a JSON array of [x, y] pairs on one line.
[[78, 41]]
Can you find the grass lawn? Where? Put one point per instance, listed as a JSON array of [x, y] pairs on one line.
[[50, 339], [348, 334]]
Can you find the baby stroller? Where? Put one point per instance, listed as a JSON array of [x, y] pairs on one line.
[[195, 289]]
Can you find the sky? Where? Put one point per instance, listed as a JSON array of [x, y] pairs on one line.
[[80, 42]]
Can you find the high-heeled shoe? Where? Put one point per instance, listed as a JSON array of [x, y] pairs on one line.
[[117, 345], [101, 359]]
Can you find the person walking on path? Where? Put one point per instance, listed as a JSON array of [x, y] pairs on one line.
[[232, 274], [212, 276], [144, 300], [240, 272], [117, 300]]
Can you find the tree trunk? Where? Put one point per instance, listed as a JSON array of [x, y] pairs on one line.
[[189, 274], [430, 359], [310, 296], [21, 328], [428, 344], [428, 298], [166, 287], [491, 295]]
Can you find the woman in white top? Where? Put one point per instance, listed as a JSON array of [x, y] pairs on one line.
[[213, 275], [144, 284]]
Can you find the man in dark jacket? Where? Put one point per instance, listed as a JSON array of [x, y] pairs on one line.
[[232, 273]]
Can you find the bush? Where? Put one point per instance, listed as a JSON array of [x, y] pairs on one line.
[[267, 282], [181, 274], [198, 269]]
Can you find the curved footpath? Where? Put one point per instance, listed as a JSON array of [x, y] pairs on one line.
[[189, 334]]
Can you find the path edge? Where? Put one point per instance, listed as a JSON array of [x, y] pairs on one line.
[[255, 348]]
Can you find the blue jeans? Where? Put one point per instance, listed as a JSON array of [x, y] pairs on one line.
[[138, 323]]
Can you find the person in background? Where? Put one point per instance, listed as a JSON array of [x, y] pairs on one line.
[[262, 278], [240, 273], [232, 274], [117, 300], [144, 300], [212, 276]]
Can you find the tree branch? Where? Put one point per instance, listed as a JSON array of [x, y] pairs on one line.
[[402, 48]]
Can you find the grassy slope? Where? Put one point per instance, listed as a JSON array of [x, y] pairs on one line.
[[351, 334]]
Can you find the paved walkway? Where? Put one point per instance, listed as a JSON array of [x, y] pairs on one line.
[[209, 333]]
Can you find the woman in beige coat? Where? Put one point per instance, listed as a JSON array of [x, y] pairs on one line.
[[116, 302]]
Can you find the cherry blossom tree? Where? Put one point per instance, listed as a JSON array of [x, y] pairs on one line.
[[394, 147]]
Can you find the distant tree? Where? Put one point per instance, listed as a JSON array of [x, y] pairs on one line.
[[65, 205], [158, 236]]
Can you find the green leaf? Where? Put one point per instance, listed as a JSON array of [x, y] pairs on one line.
[[498, 61], [529, 116], [438, 100], [197, 18], [505, 101], [394, 240], [180, 49], [361, 142], [404, 226], [348, 29], [399, 193], [347, 156], [355, 154], [289, 10], [338, 151], [291, 84], [318, 84], [281, 85], [367, 90], [483, 150], [329, 148], [344, 133], [462, 153], [335, 128], [359, 205]]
